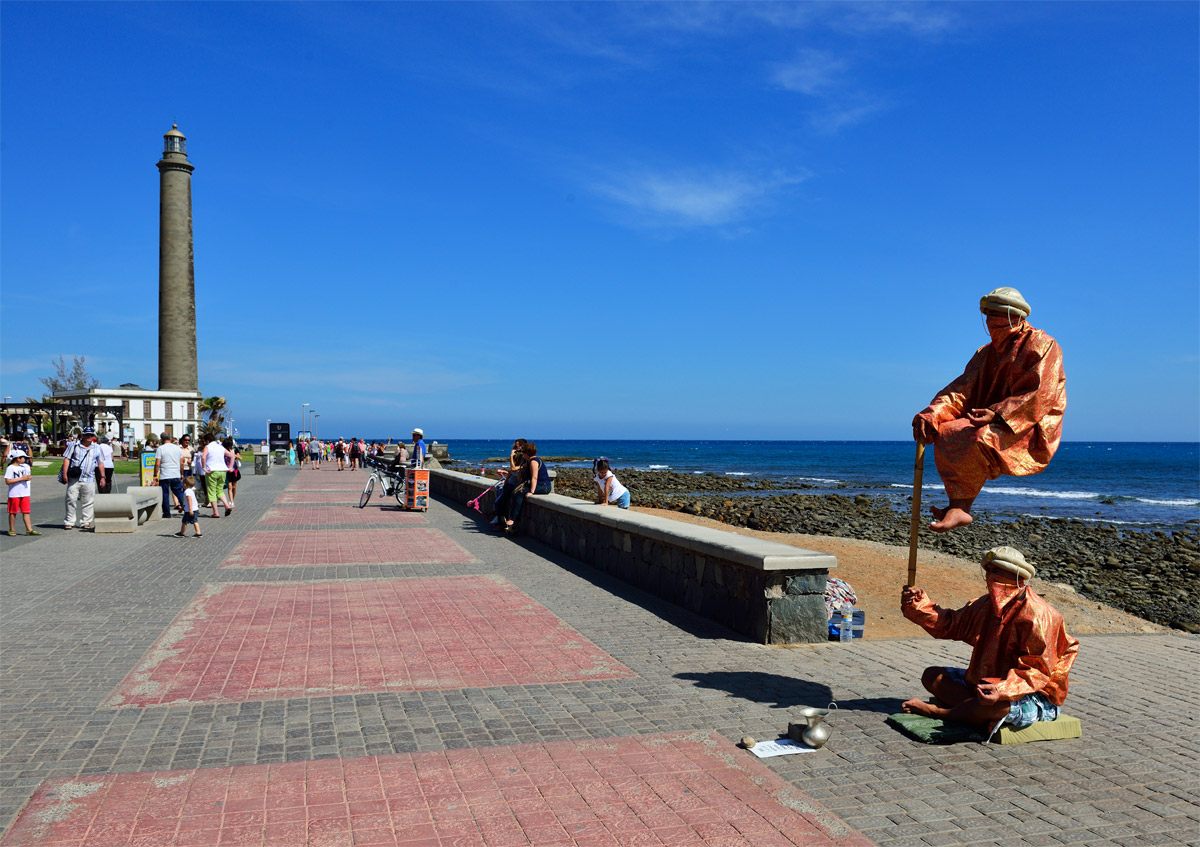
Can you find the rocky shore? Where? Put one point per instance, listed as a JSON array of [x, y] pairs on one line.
[[1154, 575]]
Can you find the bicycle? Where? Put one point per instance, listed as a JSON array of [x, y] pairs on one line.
[[390, 482]]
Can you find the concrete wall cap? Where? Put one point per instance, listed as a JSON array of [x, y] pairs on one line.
[[718, 543]]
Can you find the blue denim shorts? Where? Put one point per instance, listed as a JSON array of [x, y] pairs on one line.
[[622, 502], [1028, 710]]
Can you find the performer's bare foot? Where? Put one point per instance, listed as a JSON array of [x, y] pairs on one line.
[[950, 519], [920, 707]]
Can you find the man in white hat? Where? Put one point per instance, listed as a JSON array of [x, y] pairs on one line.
[[1021, 657], [81, 470], [418, 448], [1003, 415]]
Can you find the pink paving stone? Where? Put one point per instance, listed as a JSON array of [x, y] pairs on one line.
[[447, 798], [419, 545], [273, 640], [328, 480], [322, 497], [308, 515]]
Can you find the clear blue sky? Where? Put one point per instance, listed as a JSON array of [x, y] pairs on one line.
[[610, 220]]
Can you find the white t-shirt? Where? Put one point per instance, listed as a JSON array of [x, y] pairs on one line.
[[106, 455], [17, 489], [214, 458], [190, 504], [617, 489], [198, 463], [169, 457]]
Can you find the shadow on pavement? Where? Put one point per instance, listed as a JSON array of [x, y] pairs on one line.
[[774, 690]]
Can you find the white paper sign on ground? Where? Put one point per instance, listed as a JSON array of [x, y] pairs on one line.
[[781, 747]]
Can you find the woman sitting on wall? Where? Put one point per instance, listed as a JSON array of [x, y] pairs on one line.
[[535, 480]]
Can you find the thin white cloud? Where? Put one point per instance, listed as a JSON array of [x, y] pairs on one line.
[[694, 199], [926, 20], [812, 72], [837, 117]]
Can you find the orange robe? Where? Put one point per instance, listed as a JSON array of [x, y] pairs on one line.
[[1019, 377], [1018, 637]]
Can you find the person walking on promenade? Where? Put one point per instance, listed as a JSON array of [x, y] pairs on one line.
[[198, 472], [215, 467], [1021, 654], [79, 472], [314, 454], [18, 477], [186, 454], [191, 508], [234, 474], [1003, 415], [168, 473], [355, 453], [106, 461]]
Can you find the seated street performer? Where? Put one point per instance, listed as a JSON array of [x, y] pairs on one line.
[[1002, 416], [1021, 657]]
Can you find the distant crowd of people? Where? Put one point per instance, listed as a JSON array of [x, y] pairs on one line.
[[356, 453]]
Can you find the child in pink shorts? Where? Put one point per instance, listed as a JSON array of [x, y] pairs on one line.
[[17, 476]]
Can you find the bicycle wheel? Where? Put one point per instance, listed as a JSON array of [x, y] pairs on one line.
[[400, 493], [366, 495]]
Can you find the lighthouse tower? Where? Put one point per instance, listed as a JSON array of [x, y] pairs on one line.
[[176, 274]]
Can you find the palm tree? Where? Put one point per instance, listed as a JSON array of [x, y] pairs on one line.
[[215, 407]]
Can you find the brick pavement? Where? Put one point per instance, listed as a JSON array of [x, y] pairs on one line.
[[79, 612], [309, 516]]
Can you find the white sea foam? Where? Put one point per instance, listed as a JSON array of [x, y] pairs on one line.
[[1020, 491], [819, 479], [1168, 502], [928, 486], [736, 473], [659, 467], [1087, 520]]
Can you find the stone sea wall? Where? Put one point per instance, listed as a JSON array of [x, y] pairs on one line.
[[1153, 574], [769, 592]]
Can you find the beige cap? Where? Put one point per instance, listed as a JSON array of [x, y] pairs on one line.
[[1004, 299], [1010, 559]]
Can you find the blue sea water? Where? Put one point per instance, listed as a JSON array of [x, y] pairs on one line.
[[1141, 485]]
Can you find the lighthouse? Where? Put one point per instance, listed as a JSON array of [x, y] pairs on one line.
[[176, 274]]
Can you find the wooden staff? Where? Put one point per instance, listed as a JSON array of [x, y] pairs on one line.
[[918, 472]]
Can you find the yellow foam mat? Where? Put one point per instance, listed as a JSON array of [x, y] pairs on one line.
[[1064, 726]]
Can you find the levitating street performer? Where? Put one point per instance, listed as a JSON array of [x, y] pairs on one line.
[[1002, 416], [1021, 657]]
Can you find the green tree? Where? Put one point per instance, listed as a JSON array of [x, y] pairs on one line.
[[215, 408], [75, 379]]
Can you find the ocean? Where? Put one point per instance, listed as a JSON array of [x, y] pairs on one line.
[[1139, 485]]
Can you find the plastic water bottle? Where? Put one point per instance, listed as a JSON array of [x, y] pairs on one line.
[[846, 630]]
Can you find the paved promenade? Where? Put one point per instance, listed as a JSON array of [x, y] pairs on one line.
[[311, 674]]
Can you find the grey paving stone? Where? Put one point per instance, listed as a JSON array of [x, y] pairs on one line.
[[78, 611]]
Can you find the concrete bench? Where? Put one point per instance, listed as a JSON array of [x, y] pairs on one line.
[[126, 512], [770, 592]]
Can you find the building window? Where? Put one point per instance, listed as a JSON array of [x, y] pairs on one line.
[[148, 432], [125, 408], [170, 411], [169, 429], [191, 411], [145, 408]]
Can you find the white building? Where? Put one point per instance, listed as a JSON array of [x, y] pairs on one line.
[[146, 413]]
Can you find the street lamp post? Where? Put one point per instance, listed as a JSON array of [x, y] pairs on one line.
[[303, 408], [315, 424]]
